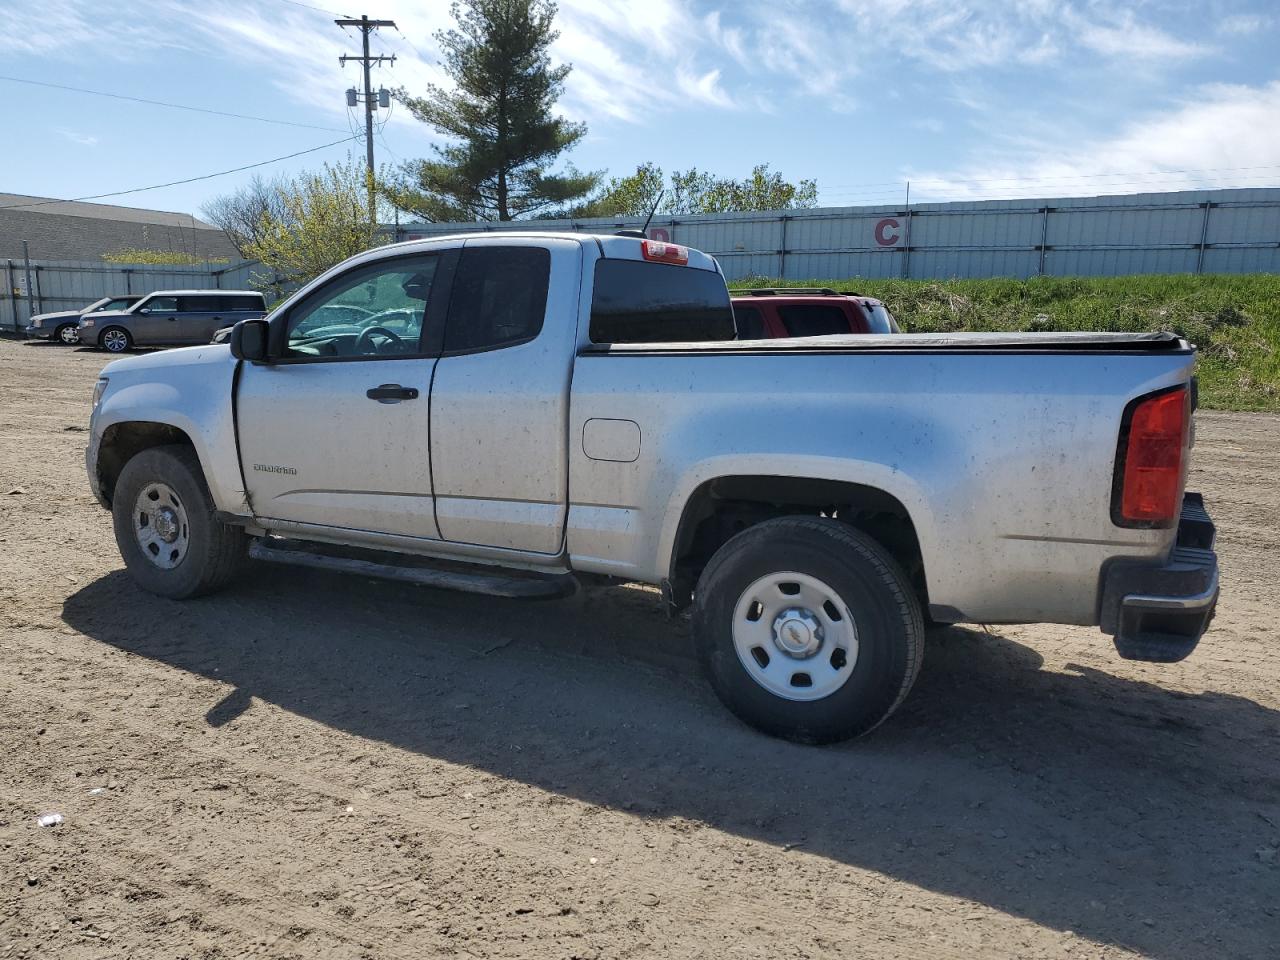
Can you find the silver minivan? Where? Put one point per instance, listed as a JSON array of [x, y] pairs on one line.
[[170, 318]]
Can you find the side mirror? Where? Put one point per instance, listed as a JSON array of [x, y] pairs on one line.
[[145, 310], [249, 341]]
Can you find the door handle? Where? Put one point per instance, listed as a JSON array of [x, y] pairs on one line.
[[391, 393]]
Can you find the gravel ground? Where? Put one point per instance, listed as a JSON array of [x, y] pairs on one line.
[[310, 766]]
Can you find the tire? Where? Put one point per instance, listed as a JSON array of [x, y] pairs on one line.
[[67, 334], [115, 340], [801, 669], [203, 555]]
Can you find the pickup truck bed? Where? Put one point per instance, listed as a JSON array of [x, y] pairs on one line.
[[1024, 343], [810, 498]]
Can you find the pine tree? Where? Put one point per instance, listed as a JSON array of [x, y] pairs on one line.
[[500, 117]]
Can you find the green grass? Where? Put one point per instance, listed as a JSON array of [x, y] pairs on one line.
[[1234, 320]]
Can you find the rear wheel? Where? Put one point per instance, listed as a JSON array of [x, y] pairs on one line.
[[68, 334], [167, 529], [115, 340], [808, 629]]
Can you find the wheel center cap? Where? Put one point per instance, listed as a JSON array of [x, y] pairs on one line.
[[797, 632], [166, 523]]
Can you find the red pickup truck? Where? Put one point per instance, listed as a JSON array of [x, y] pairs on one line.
[[767, 313]]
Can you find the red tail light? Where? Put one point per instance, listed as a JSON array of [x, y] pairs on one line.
[[1149, 463], [660, 251]]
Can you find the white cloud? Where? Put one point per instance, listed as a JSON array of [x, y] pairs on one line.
[[1221, 135], [1119, 34], [84, 139], [1244, 24], [961, 35], [634, 61]]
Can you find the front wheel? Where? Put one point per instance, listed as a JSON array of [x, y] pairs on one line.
[[167, 529], [808, 629], [115, 340], [68, 334]]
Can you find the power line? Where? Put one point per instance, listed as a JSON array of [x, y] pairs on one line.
[[331, 13], [174, 183], [410, 43], [163, 103]]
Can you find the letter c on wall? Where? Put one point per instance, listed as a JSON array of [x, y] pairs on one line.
[[883, 237]]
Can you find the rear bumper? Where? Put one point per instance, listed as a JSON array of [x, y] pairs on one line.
[[1159, 613]]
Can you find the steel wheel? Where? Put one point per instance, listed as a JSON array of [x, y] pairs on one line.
[[795, 636], [115, 341], [160, 526], [69, 334]]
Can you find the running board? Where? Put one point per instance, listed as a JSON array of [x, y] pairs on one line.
[[444, 574]]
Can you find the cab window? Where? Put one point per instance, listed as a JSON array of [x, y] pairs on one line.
[[373, 311], [499, 298], [634, 301]]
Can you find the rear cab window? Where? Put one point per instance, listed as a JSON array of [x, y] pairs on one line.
[[638, 301]]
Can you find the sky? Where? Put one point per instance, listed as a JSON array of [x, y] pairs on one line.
[[963, 99]]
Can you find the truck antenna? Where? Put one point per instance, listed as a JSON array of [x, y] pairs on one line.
[[652, 211]]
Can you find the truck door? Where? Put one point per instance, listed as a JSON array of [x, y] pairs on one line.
[[336, 433], [499, 404]]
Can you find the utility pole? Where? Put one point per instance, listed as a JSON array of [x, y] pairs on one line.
[[370, 99]]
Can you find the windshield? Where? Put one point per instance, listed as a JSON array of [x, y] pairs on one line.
[[114, 303]]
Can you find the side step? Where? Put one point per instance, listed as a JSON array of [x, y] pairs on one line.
[[444, 574]]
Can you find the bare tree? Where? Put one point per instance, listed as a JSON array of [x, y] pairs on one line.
[[241, 214]]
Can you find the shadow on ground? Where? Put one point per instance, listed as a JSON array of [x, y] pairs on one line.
[[1125, 812]]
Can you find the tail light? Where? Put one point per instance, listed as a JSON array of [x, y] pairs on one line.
[[1150, 460], [660, 251]]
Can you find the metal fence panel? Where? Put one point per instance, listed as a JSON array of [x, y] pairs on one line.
[[1218, 231], [69, 284], [1191, 231]]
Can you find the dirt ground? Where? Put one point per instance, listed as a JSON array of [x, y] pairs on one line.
[[312, 766]]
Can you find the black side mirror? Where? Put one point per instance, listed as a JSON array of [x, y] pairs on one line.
[[249, 341]]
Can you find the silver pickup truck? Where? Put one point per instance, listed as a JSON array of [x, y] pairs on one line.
[[535, 410]]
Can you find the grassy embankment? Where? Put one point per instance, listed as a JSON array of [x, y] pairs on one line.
[[1233, 319]]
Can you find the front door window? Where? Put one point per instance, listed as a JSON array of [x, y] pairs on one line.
[[374, 312]]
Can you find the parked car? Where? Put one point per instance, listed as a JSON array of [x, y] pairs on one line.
[[168, 318], [62, 327], [767, 313], [570, 407]]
